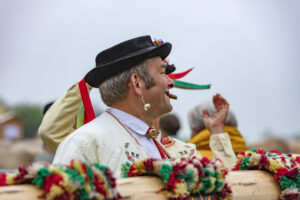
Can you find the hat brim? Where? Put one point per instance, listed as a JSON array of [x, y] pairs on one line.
[[97, 75]]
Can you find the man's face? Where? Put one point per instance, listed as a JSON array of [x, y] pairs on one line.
[[157, 95]]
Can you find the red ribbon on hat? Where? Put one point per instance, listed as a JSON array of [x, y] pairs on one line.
[[180, 75]]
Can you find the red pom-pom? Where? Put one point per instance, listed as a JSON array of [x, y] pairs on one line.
[[260, 151], [204, 161], [274, 151], [298, 159], [50, 180], [3, 179]]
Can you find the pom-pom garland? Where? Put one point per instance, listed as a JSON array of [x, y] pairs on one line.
[[77, 181], [284, 167], [185, 178]]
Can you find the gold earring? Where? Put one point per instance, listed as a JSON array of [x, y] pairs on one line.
[[146, 105]]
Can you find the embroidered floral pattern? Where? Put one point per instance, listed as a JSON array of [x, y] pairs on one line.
[[167, 141], [187, 151], [131, 156]]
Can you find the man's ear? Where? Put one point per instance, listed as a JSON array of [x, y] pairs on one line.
[[137, 84]]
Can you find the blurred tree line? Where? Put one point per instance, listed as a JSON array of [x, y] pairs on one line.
[[31, 115]]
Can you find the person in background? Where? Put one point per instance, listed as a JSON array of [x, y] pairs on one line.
[[200, 135], [169, 125]]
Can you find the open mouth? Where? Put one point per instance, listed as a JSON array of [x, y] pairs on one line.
[[171, 96]]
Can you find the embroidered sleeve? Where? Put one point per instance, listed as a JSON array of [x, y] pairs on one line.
[[221, 147], [179, 149]]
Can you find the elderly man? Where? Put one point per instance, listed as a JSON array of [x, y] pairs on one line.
[[132, 82]]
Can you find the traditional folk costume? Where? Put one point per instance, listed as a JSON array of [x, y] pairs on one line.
[[108, 141], [111, 139], [58, 123]]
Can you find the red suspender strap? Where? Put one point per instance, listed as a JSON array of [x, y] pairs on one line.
[[89, 114]]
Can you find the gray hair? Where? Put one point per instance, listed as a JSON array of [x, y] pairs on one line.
[[195, 116], [113, 90]]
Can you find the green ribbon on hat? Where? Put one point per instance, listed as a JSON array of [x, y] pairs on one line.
[[192, 86]]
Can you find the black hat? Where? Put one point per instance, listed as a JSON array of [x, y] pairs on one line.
[[125, 55]]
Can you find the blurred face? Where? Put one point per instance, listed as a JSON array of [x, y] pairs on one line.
[[157, 95]]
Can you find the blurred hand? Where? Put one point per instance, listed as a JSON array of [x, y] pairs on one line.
[[215, 123]]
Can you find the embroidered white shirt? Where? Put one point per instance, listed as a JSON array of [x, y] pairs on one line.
[[138, 129]]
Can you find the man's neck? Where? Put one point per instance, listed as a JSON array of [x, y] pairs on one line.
[[136, 111]]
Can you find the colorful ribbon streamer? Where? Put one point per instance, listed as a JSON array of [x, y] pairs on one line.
[[179, 75], [88, 114], [185, 85]]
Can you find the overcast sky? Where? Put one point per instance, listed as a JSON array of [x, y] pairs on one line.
[[248, 50]]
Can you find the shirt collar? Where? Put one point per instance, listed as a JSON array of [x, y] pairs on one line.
[[130, 121]]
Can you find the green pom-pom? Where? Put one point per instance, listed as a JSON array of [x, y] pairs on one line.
[[286, 183], [100, 167], [83, 195], [206, 184], [75, 177], [89, 172], [218, 184], [207, 171], [40, 177], [189, 176], [253, 150], [165, 172], [298, 181], [125, 169], [244, 163]]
